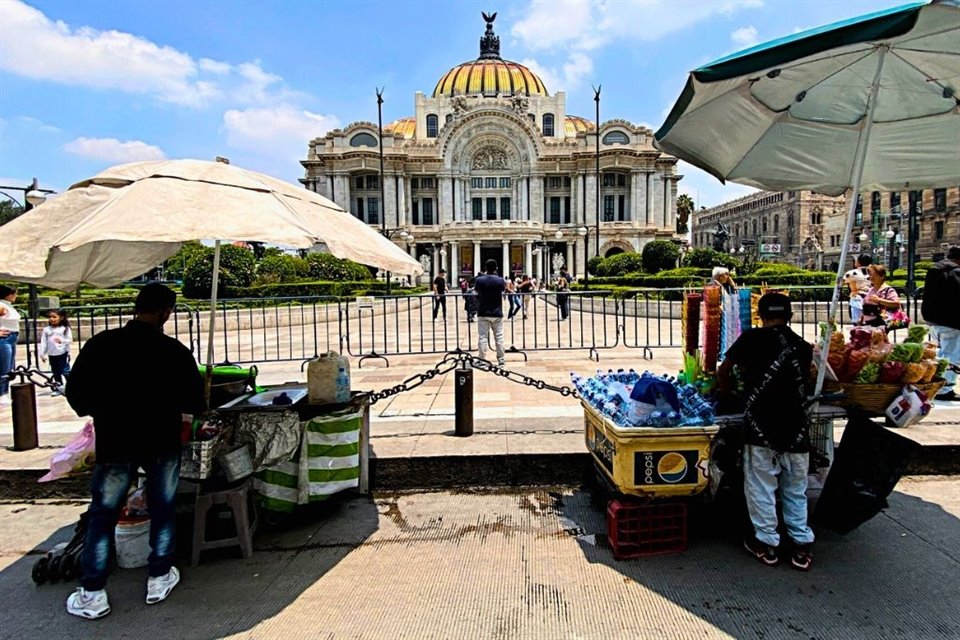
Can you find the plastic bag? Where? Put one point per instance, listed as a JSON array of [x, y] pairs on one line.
[[891, 372], [77, 456], [913, 372], [855, 362], [907, 352], [836, 342], [942, 365], [869, 373], [929, 351], [916, 333], [931, 370], [879, 353]]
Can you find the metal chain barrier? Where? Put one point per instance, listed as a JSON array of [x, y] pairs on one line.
[[37, 377], [455, 360]]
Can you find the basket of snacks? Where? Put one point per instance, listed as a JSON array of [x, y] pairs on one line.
[[871, 372]]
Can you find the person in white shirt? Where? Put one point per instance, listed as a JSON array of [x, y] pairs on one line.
[[55, 345], [9, 332], [859, 282]]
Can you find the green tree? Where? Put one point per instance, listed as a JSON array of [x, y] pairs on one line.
[[685, 207], [8, 211], [326, 266], [704, 258], [593, 265], [237, 267], [176, 264], [621, 264], [660, 255], [281, 269]]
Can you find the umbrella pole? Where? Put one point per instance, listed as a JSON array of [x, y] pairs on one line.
[[858, 162], [213, 320]]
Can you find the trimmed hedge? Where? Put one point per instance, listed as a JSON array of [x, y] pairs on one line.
[[620, 264], [281, 268], [326, 266], [705, 258], [346, 289]]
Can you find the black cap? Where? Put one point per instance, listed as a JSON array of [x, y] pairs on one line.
[[775, 305], [443, 270]]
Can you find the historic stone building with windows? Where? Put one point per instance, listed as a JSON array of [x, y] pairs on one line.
[[809, 227], [490, 166]]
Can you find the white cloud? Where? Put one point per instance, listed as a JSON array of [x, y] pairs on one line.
[[589, 24], [39, 125], [568, 77], [113, 150], [281, 131], [705, 189], [745, 36], [214, 66]]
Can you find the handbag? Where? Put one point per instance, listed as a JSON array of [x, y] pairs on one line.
[[897, 320]]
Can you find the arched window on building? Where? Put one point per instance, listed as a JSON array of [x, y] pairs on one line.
[[776, 223], [449, 118], [763, 224], [363, 140], [754, 228], [432, 125], [548, 125], [616, 137]]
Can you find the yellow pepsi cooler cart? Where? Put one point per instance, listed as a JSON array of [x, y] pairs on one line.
[[649, 462]]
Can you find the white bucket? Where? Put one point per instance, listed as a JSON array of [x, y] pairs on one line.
[[133, 544], [237, 464]]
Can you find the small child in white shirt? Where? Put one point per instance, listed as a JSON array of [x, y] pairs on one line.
[[55, 345]]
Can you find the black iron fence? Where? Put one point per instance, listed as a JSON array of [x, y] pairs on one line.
[[297, 329]]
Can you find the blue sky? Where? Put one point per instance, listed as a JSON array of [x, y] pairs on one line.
[[88, 84]]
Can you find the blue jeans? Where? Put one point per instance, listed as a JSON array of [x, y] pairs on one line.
[[949, 340], [8, 360], [108, 489], [761, 466], [60, 367], [515, 305]]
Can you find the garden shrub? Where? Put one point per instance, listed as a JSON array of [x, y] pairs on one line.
[[658, 256], [326, 266], [237, 266], [706, 258], [281, 268], [593, 264], [620, 264]]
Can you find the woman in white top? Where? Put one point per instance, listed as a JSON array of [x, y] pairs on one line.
[[9, 332]]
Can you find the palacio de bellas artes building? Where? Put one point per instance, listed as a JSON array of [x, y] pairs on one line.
[[490, 166]]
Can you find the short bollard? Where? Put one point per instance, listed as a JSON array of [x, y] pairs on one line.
[[23, 396], [463, 402]]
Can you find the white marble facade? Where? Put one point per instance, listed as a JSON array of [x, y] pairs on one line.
[[474, 174]]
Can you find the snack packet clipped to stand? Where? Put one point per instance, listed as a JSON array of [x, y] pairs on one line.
[[909, 408]]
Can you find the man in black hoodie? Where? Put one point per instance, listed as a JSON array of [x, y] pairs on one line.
[[135, 382], [941, 310]]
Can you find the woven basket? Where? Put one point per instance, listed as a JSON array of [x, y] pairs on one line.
[[874, 398]]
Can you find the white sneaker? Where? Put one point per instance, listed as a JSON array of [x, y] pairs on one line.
[[5, 400], [88, 604], [160, 587]]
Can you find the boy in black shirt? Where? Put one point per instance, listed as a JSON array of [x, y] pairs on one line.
[[774, 363], [440, 294]]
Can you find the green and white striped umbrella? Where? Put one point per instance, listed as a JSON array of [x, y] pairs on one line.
[[867, 104]]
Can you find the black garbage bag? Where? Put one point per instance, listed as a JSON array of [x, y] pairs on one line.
[[867, 466]]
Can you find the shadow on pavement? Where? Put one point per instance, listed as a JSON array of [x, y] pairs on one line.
[[895, 576], [224, 595]]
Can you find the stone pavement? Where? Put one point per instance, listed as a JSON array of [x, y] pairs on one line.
[[523, 563]]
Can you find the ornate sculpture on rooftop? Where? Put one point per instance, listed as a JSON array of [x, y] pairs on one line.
[[490, 42]]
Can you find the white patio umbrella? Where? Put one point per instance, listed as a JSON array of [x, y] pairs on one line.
[[127, 219], [866, 104]]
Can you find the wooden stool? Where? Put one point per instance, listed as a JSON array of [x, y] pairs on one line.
[[236, 499]]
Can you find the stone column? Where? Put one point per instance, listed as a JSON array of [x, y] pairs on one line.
[[536, 198], [443, 201], [570, 254], [412, 250], [402, 213], [528, 257], [649, 199], [343, 192], [574, 205], [477, 267], [633, 208], [388, 209], [454, 271], [505, 261], [667, 188]]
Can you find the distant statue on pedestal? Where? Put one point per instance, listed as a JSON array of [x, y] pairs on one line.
[[720, 238]]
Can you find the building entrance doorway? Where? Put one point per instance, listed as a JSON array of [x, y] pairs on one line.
[[491, 253]]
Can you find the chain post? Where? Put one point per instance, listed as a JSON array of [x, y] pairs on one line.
[[463, 400]]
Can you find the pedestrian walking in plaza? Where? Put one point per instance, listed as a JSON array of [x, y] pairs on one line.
[[858, 280], [514, 298], [9, 333], [526, 288], [880, 299], [563, 294], [470, 303], [774, 363], [55, 346], [941, 311], [440, 294], [135, 382], [490, 288]]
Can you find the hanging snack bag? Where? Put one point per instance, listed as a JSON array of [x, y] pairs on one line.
[[913, 372], [869, 374], [857, 359], [891, 372], [916, 333]]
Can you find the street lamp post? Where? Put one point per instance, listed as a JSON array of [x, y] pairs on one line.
[[582, 232], [596, 239], [912, 244], [889, 234], [33, 196], [383, 186]]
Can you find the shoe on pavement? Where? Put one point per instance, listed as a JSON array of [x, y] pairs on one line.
[[762, 552], [160, 587], [88, 604], [802, 557], [949, 396], [502, 363], [5, 399]]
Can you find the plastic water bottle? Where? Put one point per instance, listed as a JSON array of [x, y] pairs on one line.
[[343, 386]]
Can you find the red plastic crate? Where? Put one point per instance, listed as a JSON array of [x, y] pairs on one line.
[[637, 530]]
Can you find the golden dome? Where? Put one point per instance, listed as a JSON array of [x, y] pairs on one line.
[[404, 127], [489, 77], [572, 125]]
